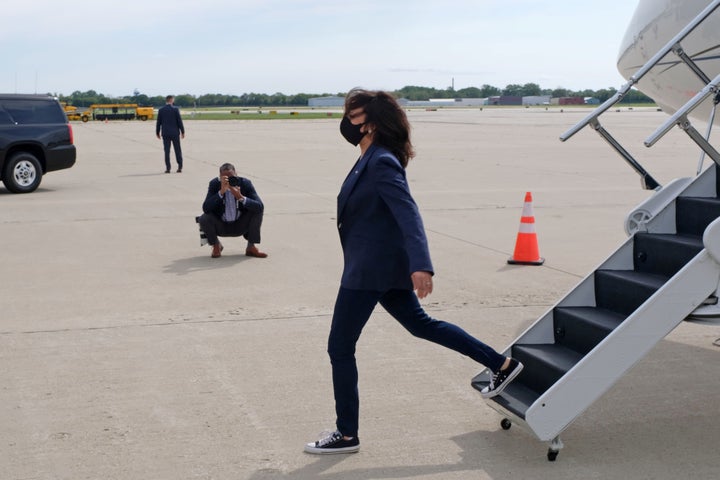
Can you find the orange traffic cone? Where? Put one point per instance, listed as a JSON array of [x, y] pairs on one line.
[[526, 246]]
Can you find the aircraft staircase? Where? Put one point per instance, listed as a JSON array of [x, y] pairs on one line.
[[666, 271]]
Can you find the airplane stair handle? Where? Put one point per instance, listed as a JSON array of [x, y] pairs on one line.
[[591, 118], [680, 118]]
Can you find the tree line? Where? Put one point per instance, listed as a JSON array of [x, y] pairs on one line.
[[414, 93]]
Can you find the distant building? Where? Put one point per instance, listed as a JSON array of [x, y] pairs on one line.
[[446, 102], [591, 101], [536, 100], [568, 101], [505, 100], [330, 101], [470, 102]]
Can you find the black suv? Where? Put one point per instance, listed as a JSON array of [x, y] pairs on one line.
[[35, 138]]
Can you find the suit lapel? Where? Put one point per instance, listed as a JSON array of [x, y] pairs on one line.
[[352, 178]]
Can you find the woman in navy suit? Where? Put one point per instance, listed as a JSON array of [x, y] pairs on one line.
[[386, 260]]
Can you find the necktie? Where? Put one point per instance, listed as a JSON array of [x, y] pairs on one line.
[[230, 207]]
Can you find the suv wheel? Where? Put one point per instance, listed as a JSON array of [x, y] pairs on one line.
[[22, 173]]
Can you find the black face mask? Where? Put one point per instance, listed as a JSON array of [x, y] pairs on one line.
[[351, 132]]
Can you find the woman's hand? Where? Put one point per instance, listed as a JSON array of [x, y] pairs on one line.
[[422, 283]]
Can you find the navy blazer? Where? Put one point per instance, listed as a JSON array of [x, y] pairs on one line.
[[381, 231], [169, 121], [214, 204]]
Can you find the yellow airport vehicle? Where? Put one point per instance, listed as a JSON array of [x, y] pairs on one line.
[[117, 111], [70, 111], [145, 113]]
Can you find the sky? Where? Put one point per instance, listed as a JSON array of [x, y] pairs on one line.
[[232, 47]]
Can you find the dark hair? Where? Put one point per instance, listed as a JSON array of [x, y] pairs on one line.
[[227, 166], [392, 129], [169, 97]]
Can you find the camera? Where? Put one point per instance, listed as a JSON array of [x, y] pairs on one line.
[[234, 181]]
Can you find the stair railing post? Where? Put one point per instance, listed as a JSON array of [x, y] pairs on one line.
[[646, 180], [716, 100], [680, 118], [680, 52], [700, 140]]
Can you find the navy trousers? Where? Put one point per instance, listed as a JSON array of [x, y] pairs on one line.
[[352, 311], [175, 141], [248, 226]]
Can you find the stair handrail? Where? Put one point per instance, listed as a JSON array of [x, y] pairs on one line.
[[672, 45], [593, 116], [680, 118], [710, 89]]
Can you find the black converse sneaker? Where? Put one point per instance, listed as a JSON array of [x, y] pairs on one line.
[[501, 379], [333, 443]]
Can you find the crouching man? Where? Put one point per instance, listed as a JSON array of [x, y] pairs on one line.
[[232, 208]]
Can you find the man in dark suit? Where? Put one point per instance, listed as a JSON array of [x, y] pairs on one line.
[[232, 208], [171, 125]]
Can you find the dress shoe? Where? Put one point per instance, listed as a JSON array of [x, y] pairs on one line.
[[167, 171], [254, 252], [217, 248], [179, 170]]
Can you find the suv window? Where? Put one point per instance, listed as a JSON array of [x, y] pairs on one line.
[[25, 112], [5, 118]]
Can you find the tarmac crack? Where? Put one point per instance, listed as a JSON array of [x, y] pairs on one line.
[[432, 307], [502, 252]]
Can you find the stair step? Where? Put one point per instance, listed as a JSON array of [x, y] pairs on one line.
[[664, 254], [694, 214], [623, 291], [516, 397], [544, 364], [582, 328]]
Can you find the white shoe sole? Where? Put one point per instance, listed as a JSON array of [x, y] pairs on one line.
[[509, 379], [311, 448]]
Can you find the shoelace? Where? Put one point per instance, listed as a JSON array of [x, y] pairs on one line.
[[333, 437], [498, 375]]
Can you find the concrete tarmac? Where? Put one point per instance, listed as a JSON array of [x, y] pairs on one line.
[[128, 353]]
